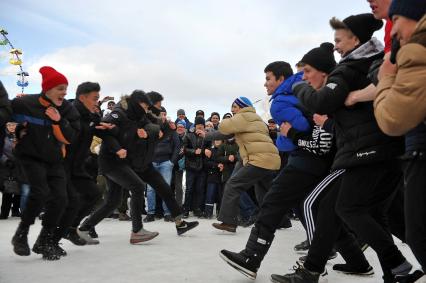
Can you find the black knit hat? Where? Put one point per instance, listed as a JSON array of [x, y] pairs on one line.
[[199, 121], [363, 26], [412, 9], [321, 58]]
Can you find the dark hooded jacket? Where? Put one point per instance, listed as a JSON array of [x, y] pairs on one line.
[[128, 117], [44, 140], [358, 138]]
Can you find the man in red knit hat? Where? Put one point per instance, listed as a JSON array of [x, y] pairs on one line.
[[47, 122]]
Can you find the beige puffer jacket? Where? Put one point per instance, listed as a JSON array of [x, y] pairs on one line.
[[252, 136]]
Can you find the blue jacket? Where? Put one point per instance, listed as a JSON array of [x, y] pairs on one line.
[[284, 109]]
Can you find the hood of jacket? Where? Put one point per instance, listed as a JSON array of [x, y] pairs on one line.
[[369, 49]]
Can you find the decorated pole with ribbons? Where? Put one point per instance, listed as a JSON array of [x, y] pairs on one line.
[[15, 59]]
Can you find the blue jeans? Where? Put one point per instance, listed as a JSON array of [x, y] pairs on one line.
[[25, 192], [165, 168]]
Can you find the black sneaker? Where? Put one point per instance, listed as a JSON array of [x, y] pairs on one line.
[[410, 278], [301, 275], [20, 241], [149, 218], [185, 214], [92, 233], [347, 269], [242, 261], [302, 247], [74, 238], [332, 255], [168, 218], [184, 226]]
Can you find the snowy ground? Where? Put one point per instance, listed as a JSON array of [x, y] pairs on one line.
[[192, 257]]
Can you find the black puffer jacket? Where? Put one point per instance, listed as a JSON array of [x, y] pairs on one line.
[[211, 166], [226, 149], [190, 143], [79, 150], [44, 139], [168, 149], [358, 138], [140, 152]]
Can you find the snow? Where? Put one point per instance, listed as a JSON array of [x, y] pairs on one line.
[[192, 257]]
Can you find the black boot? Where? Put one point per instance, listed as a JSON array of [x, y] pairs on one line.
[[248, 260], [74, 238], [20, 240], [45, 245], [57, 236]]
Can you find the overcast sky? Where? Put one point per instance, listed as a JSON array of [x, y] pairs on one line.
[[198, 54]]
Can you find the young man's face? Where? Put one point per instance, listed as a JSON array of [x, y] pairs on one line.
[[181, 116], [180, 129], [209, 125], [344, 41], [272, 126], [110, 105], [163, 116], [271, 82], [11, 127], [403, 28], [217, 143], [157, 105], [315, 78], [379, 8], [215, 119], [90, 101], [235, 108], [57, 94]]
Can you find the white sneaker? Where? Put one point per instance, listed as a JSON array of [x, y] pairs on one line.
[[85, 236], [142, 236]]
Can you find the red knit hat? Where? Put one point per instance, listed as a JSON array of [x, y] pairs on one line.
[[51, 78]]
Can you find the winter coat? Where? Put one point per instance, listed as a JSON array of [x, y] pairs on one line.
[[168, 149], [358, 138], [284, 108], [10, 166], [45, 139], [191, 142], [79, 150], [211, 166], [140, 152], [225, 150], [400, 103], [252, 136]]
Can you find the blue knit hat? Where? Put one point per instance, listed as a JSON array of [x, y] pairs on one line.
[[181, 122], [412, 9], [243, 102]]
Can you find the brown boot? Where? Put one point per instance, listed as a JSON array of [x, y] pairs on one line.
[[225, 227], [142, 236]]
